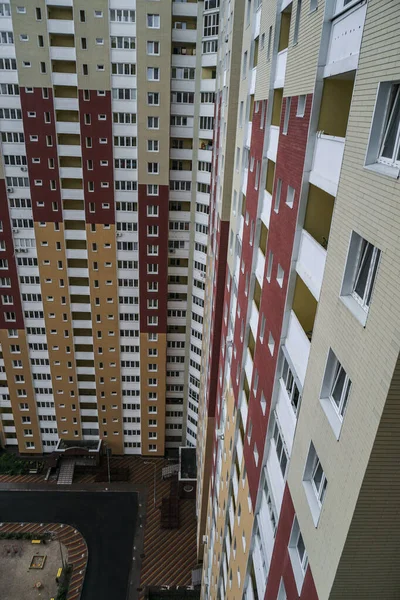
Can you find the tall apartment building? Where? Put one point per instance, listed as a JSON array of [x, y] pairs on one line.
[[106, 119], [298, 439]]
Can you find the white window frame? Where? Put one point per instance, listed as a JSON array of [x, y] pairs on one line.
[[360, 252], [334, 376]]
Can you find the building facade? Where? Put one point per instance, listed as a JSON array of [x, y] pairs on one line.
[[299, 432], [106, 120]]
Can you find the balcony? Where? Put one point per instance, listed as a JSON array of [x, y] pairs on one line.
[[66, 104], [68, 79], [68, 127], [248, 365], [184, 9], [207, 85], [266, 209], [280, 70], [301, 324], [247, 142], [273, 142], [184, 35], [69, 150], [311, 263], [209, 60], [286, 415], [260, 267], [183, 60], [327, 162], [253, 77], [61, 26], [275, 477], [62, 53], [254, 319], [244, 184], [345, 41]]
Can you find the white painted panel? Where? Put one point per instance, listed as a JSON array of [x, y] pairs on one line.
[[286, 416], [345, 41], [273, 142], [62, 53], [327, 163], [70, 79], [266, 209], [253, 77], [254, 319], [298, 346], [311, 263], [248, 366], [260, 266], [280, 71], [60, 26], [275, 477]]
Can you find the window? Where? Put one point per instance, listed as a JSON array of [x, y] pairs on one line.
[[153, 98], [359, 277], [152, 146], [211, 25], [291, 385], [153, 21], [298, 554], [244, 66], [335, 392], [315, 483], [153, 74], [282, 591], [153, 48], [122, 16], [290, 196], [287, 116], [297, 23], [153, 123], [277, 195], [153, 168], [301, 106], [152, 190], [280, 448], [383, 152]]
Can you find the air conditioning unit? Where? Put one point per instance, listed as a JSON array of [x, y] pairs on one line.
[[24, 249], [220, 434], [119, 234], [205, 539], [10, 190], [24, 169], [15, 230], [172, 250], [227, 38]]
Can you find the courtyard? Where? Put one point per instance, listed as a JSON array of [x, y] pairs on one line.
[[19, 578], [107, 521]]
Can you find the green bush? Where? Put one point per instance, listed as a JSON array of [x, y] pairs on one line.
[[12, 465]]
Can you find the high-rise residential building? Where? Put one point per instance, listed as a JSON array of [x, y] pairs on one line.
[[106, 120], [298, 437]]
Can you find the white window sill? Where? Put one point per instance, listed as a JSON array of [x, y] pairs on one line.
[[357, 311], [313, 503], [381, 169], [332, 416], [297, 569]]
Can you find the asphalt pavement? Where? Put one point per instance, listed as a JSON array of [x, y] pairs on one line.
[[107, 521]]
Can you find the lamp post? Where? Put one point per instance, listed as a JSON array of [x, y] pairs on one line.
[[147, 462]]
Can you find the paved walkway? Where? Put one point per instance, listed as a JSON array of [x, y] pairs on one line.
[[72, 540], [164, 557]]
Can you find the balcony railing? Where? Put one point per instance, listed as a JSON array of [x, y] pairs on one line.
[[345, 41], [311, 263], [280, 71], [327, 162]]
